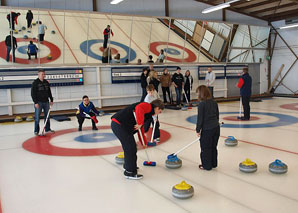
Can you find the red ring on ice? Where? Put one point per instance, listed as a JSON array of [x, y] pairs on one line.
[[42, 145], [191, 56], [54, 51]]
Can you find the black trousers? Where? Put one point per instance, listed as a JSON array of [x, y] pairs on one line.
[[129, 146], [187, 93], [211, 90], [82, 119], [41, 37], [147, 124], [29, 21], [29, 55], [144, 93], [105, 42], [166, 90], [246, 107], [208, 142]]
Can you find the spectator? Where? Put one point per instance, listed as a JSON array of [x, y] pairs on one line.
[[117, 58], [150, 59], [178, 82], [106, 55], [139, 61], [210, 79], [161, 57], [144, 83], [165, 81], [188, 81]]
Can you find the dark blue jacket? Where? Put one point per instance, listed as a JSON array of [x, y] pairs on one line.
[[245, 90], [87, 109]]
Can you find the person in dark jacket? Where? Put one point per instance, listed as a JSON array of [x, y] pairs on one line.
[[178, 82], [188, 81], [87, 110], [144, 83], [11, 40], [29, 17], [153, 79], [41, 93], [32, 50], [207, 128], [106, 35], [244, 84], [12, 18], [124, 125]]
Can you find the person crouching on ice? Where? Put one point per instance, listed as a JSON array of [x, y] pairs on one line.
[[87, 110], [124, 126]]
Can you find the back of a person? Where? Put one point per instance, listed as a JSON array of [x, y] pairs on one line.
[[32, 48], [246, 88], [210, 113]]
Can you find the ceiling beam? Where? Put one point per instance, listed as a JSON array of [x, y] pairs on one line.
[[281, 16], [256, 5], [273, 8], [233, 9], [167, 13]]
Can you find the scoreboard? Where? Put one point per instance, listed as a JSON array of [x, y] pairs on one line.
[[23, 78]]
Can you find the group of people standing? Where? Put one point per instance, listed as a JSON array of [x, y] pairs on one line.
[[180, 82]]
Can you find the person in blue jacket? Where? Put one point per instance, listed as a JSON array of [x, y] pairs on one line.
[[244, 84], [87, 110]]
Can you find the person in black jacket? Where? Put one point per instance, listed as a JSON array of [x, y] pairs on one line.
[[11, 44], [41, 93], [124, 125], [245, 91], [188, 81], [29, 17], [144, 83], [207, 128], [178, 82]]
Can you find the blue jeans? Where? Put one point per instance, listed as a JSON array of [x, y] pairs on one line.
[[45, 106], [178, 95], [8, 49]]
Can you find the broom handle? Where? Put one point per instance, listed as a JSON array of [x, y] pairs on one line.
[[185, 96], [240, 108], [45, 123], [153, 130], [188, 145]]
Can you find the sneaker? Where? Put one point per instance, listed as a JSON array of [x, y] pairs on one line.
[[132, 175], [157, 140], [94, 128], [50, 130], [80, 129], [36, 133]]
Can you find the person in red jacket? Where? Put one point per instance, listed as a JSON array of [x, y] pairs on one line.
[[12, 18], [124, 125], [106, 35]]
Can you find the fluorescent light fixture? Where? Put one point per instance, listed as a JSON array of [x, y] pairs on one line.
[[219, 7], [289, 26], [116, 1]]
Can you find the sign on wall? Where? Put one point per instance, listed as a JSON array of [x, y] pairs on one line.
[[23, 78]]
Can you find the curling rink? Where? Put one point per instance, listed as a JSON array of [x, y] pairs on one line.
[[70, 171]]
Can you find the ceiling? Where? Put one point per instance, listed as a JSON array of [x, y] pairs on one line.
[[268, 10]]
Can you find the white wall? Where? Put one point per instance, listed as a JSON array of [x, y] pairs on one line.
[[282, 55]]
